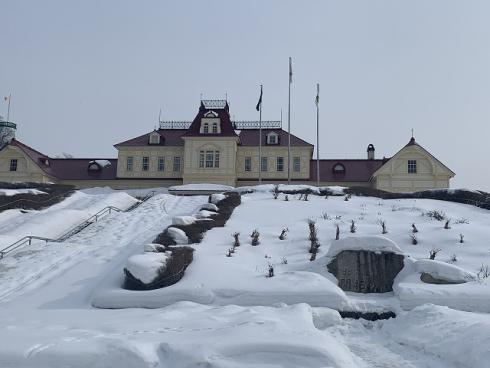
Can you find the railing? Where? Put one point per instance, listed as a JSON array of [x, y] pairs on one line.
[[27, 240], [239, 125]]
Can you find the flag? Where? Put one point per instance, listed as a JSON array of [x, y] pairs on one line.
[[259, 104], [317, 98], [290, 71]]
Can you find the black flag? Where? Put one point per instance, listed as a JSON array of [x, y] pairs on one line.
[[259, 104]]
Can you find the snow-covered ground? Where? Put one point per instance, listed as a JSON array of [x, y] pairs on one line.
[[225, 312]]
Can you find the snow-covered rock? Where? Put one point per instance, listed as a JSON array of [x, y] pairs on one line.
[[325, 317], [178, 235], [150, 247], [217, 197], [209, 207], [183, 220], [12, 192], [372, 243], [205, 214], [443, 271], [146, 267]]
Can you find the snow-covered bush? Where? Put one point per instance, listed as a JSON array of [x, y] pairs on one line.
[[178, 235], [147, 266], [183, 220], [236, 242], [209, 207], [255, 237], [433, 253], [284, 234], [414, 239]]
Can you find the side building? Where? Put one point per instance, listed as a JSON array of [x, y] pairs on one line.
[[214, 149]]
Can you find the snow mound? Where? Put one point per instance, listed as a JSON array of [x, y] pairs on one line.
[[325, 317], [178, 235], [183, 220], [146, 267], [12, 192], [372, 243], [205, 214], [462, 338], [153, 247], [209, 207], [202, 186], [217, 197], [443, 271]]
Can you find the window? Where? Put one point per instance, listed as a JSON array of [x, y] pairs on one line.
[[93, 166], [129, 164], [263, 164], [280, 164], [13, 164], [176, 167], [145, 164], [248, 163], [296, 164], [215, 128], [161, 163], [339, 169], [272, 138], [205, 129], [412, 166], [154, 138], [208, 159]]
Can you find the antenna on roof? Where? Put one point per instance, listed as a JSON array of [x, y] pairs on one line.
[[412, 132], [160, 116]]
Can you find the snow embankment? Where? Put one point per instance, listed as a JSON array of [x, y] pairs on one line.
[[12, 192], [202, 187], [458, 337], [372, 243], [58, 219]]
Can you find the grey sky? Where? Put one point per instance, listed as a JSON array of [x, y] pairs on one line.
[[85, 75]]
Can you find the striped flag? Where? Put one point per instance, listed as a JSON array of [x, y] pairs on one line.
[[259, 104], [290, 71]]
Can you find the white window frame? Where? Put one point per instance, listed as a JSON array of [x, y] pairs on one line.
[[129, 163], [205, 128], [14, 165], [271, 136], [264, 163], [215, 128], [154, 138], [297, 164], [208, 159], [177, 164], [161, 163], [145, 163], [279, 163], [412, 166], [248, 164]]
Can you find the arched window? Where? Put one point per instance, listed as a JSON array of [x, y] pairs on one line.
[[339, 169], [205, 128]]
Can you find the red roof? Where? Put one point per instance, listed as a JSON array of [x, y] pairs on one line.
[[250, 137], [171, 137], [355, 170]]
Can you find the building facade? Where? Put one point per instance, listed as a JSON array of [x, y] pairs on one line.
[[214, 149]]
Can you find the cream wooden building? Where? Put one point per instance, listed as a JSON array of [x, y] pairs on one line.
[[214, 149]]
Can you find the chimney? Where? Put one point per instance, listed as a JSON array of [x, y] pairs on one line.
[[370, 152]]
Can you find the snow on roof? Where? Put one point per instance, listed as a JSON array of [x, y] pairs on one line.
[[373, 243], [101, 163]]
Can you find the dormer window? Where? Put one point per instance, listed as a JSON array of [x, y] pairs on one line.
[[93, 166], [154, 138], [211, 114], [272, 138], [205, 128], [215, 128], [339, 169]]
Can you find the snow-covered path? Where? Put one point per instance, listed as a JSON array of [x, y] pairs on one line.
[[76, 266]]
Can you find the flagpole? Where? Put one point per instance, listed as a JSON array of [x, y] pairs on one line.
[[8, 108], [289, 121], [318, 134], [260, 137]]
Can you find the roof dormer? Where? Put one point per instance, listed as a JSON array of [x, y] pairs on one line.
[[272, 138], [210, 123], [155, 138]]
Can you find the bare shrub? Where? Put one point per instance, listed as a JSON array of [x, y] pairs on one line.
[[414, 229], [446, 225], [286, 198], [255, 237], [337, 232], [462, 220], [433, 253], [313, 257], [326, 216], [313, 235], [436, 215], [284, 233], [271, 271], [453, 259], [461, 238], [382, 223], [275, 191], [353, 227], [230, 252], [305, 198], [284, 261], [414, 239], [484, 272], [236, 242]]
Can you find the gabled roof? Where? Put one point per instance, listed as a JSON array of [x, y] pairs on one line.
[[412, 142], [67, 168], [224, 116], [355, 170], [250, 137], [171, 137]]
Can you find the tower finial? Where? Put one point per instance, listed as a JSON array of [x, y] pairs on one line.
[[412, 132]]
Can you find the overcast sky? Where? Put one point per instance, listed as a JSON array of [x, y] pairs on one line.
[[86, 75]]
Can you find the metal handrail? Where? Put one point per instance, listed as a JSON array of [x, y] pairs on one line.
[[72, 231]]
